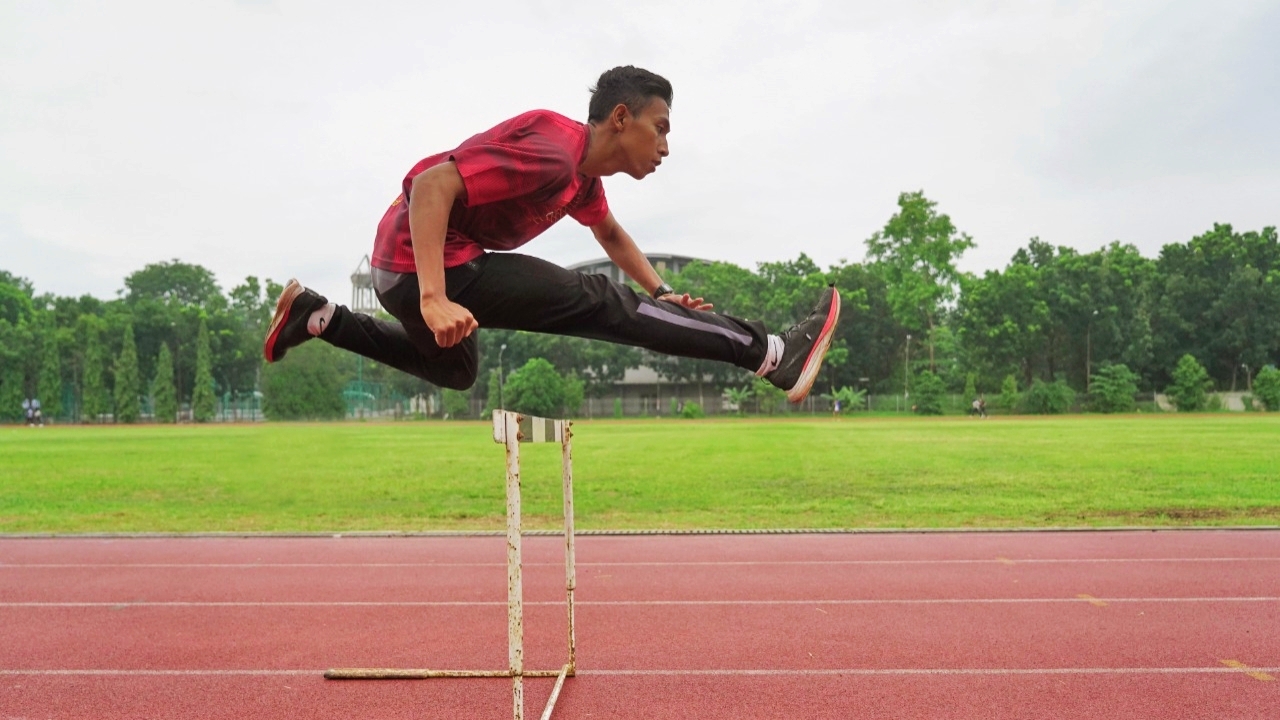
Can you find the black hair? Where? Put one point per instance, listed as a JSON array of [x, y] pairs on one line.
[[628, 85]]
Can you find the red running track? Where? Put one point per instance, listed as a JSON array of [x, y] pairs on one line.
[[1169, 624]]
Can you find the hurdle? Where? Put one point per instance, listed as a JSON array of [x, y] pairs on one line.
[[511, 429]]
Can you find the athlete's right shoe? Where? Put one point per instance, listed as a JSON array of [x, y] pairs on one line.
[[288, 327], [805, 345]]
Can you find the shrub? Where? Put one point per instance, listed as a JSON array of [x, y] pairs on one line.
[[1190, 383], [617, 407], [929, 391], [537, 389], [304, 386], [1266, 387], [692, 411], [1049, 398], [1010, 398], [850, 399], [1113, 389], [457, 403]]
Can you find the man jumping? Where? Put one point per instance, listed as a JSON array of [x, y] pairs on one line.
[[434, 268]]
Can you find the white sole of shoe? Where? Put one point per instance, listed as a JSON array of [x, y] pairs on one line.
[[813, 363]]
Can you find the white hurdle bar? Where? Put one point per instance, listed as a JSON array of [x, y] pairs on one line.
[[511, 429]]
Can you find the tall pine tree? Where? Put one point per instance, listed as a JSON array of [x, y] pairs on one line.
[[163, 393], [50, 384], [94, 400], [202, 399], [128, 387]]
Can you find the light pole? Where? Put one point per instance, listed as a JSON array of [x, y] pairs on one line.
[[501, 405], [906, 371]]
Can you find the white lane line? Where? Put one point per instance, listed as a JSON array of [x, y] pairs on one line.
[[693, 672], [697, 563], [931, 671], [936, 671], [625, 603], [163, 673]]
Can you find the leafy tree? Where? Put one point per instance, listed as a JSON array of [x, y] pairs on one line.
[[1010, 398], [929, 390], [202, 397], [1049, 398], [306, 385], [1190, 383], [1113, 388], [176, 282], [15, 299], [128, 388], [916, 253], [868, 330], [970, 387], [1266, 387], [164, 394], [537, 389], [14, 351], [1218, 298]]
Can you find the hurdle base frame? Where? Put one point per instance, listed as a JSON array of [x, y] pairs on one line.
[[511, 429]]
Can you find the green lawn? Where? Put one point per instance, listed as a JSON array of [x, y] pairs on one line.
[[812, 473]]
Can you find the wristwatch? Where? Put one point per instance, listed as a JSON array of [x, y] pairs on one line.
[[663, 289]]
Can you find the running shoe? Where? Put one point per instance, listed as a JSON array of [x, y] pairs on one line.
[[289, 325], [804, 346]]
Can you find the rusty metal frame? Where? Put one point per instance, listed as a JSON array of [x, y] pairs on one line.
[[511, 429]]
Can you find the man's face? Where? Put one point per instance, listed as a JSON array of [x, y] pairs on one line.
[[644, 138]]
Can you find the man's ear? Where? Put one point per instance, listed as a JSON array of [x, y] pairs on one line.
[[620, 116]]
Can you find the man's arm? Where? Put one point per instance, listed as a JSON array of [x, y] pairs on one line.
[[431, 198], [622, 250]]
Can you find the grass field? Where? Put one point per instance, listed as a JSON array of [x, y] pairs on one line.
[[735, 473]]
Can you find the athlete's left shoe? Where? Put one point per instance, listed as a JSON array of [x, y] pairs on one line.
[[805, 345], [288, 327]]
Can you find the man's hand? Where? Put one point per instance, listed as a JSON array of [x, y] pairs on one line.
[[450, 322], [687, 301]]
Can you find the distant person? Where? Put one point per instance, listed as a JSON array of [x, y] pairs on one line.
[[30, 413], [36, 416], [979, 407], [442, 265]]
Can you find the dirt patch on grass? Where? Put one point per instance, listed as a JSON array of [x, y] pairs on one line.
[[1175, 514]]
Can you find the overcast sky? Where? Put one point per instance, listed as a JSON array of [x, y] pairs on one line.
[[267, 138]]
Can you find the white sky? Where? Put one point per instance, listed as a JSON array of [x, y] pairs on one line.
[[267, 138]]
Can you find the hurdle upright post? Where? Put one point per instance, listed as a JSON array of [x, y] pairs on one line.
[[510, 429], [570, 573], [515, 585]]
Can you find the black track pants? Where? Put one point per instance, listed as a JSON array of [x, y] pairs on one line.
[[517, 292]]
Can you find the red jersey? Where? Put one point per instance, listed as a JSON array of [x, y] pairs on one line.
[[520, 178]]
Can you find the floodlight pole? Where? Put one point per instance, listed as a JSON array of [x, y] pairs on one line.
[[906, 373], [501, 405], [1088, 355]]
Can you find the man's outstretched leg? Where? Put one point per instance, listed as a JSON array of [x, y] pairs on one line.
[[408, 346], [519, 292]]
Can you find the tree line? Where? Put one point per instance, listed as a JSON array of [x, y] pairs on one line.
[[1052, 326]]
